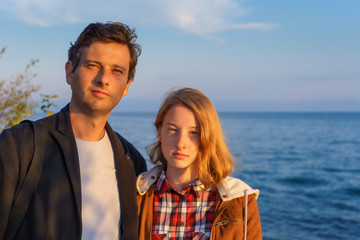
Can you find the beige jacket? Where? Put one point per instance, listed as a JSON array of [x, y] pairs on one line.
[[236, 201]]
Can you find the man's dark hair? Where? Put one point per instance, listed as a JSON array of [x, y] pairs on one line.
[[107, 33]]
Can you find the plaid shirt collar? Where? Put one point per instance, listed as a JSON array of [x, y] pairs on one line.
[[162, 186], [186, 215]]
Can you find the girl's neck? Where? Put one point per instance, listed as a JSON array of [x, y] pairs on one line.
[[179, 178]]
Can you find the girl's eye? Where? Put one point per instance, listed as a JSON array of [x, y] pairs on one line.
[[172, 130]]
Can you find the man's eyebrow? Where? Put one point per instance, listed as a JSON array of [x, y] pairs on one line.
[[119, 66], [92, 61]]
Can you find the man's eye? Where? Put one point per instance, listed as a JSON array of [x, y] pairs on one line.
[[92, 66], [118, 71]]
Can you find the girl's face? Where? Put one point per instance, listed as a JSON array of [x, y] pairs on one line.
[[180, 138]]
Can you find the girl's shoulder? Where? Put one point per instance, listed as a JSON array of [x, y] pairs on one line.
[[146, 179], [230, 188]]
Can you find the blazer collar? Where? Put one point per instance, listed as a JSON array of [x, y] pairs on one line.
[[63, 123]]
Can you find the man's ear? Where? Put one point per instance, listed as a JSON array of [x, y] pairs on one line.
[[127, 87], [69, 72]]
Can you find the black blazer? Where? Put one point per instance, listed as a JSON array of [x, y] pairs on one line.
[[55, 209]]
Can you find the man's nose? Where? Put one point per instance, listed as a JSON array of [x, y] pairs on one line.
[[103, 77]]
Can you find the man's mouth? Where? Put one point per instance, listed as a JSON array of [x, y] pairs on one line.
[[97, 92]]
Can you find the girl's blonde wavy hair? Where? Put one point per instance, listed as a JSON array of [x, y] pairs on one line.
[[215, 162]]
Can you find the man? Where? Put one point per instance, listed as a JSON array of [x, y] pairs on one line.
[[86, 188]]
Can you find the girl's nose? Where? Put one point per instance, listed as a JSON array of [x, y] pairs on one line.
[[181, 141]]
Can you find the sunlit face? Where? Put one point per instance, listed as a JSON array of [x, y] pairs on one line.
[[100, 79], [180, 138]]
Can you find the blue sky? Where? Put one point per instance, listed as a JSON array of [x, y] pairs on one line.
[[276, 55]]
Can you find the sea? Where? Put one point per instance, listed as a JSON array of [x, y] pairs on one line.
[[306, 166]]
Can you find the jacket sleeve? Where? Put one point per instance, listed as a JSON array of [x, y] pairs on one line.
[[253, 220], [145, 212], [9, 173], [16, 150]]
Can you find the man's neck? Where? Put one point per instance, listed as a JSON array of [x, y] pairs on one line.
[[88, 128]]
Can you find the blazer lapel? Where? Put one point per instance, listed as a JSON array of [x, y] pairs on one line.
[[126, 179], [66, 140]]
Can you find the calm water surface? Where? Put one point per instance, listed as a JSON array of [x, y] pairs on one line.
[[306, 165]]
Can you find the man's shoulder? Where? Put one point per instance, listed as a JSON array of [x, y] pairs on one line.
[[121, 138], [127, 146], [48, 121], [20, 130], [59, 120], [24, 129], [135, 156]]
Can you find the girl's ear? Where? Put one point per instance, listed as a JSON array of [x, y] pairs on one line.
[[158, 135]]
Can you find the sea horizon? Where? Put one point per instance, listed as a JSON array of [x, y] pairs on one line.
[[128, 105]]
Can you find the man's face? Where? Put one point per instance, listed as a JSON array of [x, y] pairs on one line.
[[100, 79]]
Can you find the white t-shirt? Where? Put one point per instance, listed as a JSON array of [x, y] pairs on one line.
[[99, 191]]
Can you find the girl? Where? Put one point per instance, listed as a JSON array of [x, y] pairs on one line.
[[189, 194]]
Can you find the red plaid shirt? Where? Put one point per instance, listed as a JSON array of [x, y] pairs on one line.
[[186, 215]]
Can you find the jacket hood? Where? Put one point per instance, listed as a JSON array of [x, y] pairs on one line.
[[229, 188]]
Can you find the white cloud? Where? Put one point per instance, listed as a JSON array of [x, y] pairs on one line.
[[203, 17], [199, 17], [39, 12]]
